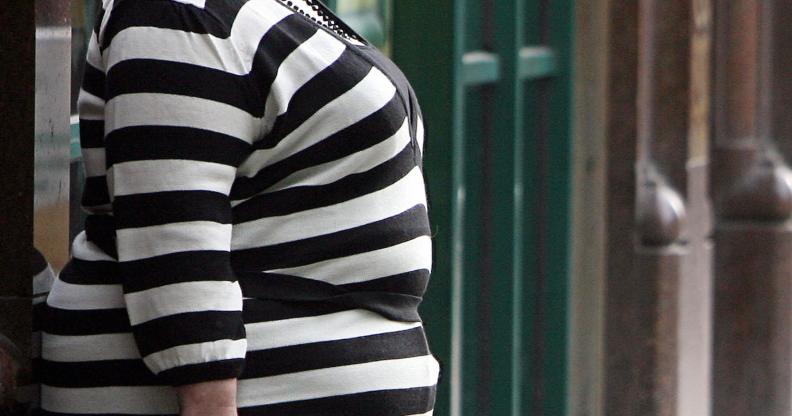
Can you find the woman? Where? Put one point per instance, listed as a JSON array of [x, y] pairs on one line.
[[258, 236]]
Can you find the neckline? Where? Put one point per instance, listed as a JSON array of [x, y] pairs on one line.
[[361, 41]]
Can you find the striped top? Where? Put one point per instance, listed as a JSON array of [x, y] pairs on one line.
[[235, 146]]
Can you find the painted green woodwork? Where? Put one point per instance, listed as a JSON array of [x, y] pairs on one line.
[[493, 78], [508, 358], [481, 68], [559, 194], [428, 50], [535, 62]]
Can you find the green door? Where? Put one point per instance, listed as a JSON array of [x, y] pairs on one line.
[[493, 78]]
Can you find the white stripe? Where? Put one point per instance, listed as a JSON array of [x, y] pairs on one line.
[[185, 297], [335, 326], [388, 202], [327, 382], [90, 106], [309, 59], [143, 400], [145, 176], [429, 413], [93, 56], [145, 242], [361, 161], [85, 297], [82, 249], [196, 353], [420, 133], [402, 258], [94, 159], [234, 54], [364, 99], [77, 348], [196, 3], [42, 282], [155, 109]]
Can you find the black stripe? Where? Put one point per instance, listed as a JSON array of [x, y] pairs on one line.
[[265, 310], [95, 191], [330, 83], [188, 328], [171, 142], [380, 234], [100, 12], [392, 304], [266, 285], [143, 210], [39, 315], [94, 81], [378, 126], [168, 77], [131, 373], [176, 268], [410, 283], [98, 374], [85, 322], [381, 403], [277, 44], [195, 373], [304, 198], [91, 133], [37, 262], [85, 272], [388, 346], [216, 18]]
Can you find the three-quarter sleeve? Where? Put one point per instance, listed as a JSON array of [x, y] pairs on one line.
[[176, 129]]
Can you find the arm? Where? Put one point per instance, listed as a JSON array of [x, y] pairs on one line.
[[173, 144], [211, 398]]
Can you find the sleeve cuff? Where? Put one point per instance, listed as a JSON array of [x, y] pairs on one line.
[[198, 373]]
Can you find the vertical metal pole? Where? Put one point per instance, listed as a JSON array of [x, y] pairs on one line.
[[508, 355], [427, 39]]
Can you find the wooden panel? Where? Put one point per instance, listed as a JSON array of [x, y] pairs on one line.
[[753, 200], [658, 176], [621, 391], [586, 360]]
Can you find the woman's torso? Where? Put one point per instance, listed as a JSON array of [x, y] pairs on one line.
[[329, 199]]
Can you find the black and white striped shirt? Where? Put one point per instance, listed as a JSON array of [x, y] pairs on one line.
[[235, 146]]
